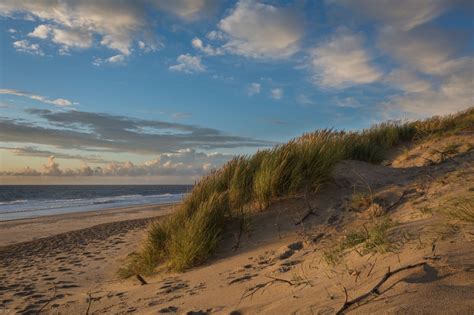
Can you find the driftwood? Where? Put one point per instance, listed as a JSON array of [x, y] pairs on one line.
[[375, 290], [142, 281]]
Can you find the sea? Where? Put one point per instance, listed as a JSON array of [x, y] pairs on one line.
[[30, 201]]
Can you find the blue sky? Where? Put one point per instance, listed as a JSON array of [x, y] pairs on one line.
[[162, 91]]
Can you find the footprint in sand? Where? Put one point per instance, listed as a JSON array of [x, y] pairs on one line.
[[49, 278], [169, 309]]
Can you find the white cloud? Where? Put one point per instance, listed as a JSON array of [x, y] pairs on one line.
[[52, 167], [349, 102], [71, 23], [186, 162], [207, 49], [113, 60], [304, 100], [439, 79], [424, 49], [215, 35], [41, 31], [260, 30], [186, 9], [188, 64], [276, 93], [58, 102], [254, 88], [402, 14], [342, 61], [453, 92], [11, 30], [72, 38], [27, 47], [407, 81]]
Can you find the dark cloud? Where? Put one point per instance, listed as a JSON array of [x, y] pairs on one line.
[[104, 132], [34, 152]]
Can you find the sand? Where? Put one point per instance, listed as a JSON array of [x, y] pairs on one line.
[[68, 264]]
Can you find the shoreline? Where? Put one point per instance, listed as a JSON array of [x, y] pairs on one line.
[[13, 231]]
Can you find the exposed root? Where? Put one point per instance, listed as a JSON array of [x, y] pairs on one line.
[[375, 290]]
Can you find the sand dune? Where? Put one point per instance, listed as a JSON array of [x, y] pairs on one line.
[[279, 267]]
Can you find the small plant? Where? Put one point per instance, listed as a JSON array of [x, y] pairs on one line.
[[372, 239], [405, 153], [360, 201], [452, 148], [447, 230], [461, 208], [426, 210]]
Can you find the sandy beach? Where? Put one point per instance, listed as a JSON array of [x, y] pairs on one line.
[[65, 252], [68, 264]]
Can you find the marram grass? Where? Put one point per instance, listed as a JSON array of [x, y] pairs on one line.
[[191, 234]]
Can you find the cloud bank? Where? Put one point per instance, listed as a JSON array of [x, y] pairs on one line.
[[104, 132], [184, 163]]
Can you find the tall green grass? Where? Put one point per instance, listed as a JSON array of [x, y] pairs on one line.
[[191, 234]]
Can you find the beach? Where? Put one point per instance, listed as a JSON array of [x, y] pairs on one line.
[[66, 252], [68, 264]]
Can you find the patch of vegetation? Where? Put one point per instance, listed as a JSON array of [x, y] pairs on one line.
[[360, 201], [452, 148], [191, 234], [459, 208], [446, 230], [426, 210], [373, 239]]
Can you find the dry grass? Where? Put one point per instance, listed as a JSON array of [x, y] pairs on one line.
[[371, 239], [459, 208], [191, 234]]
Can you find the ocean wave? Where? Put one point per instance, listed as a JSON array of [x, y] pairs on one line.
[[32, 208]]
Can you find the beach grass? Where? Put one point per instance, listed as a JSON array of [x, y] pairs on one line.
[[371, 239], [191, 234]]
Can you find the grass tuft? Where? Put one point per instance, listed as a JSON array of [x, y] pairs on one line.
[[374, 239], [460, 208]]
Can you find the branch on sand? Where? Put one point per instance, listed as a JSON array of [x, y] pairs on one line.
[[251, 291], [142, 281], [375, 290]]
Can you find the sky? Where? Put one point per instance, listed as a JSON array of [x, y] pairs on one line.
[[163, 91]]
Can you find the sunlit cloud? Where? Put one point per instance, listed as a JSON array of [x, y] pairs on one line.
[[61, 102], [261, 30]]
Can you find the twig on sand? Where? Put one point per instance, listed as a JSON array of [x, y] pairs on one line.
[[375, 290], [89, 300], [445, 154], [396, 203], [47, 302], [251, 291], [140, 278], [372, 268], [309, 212]]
